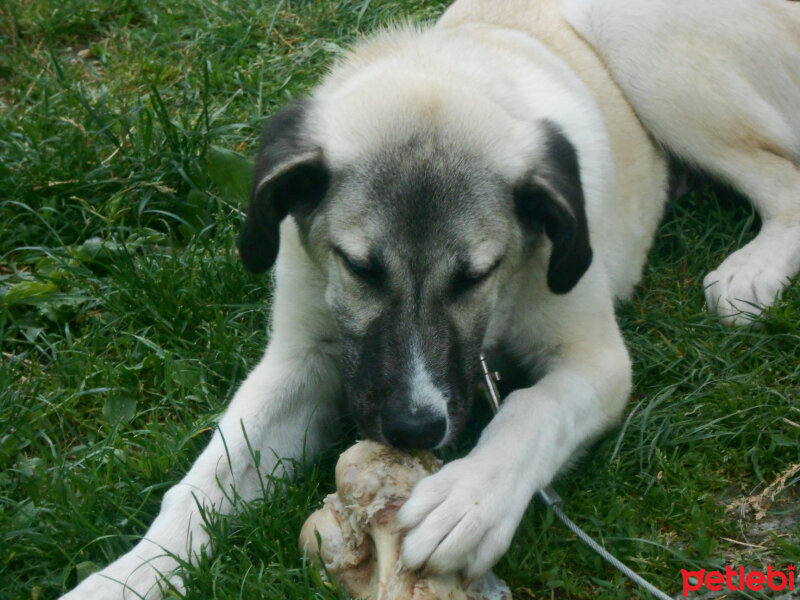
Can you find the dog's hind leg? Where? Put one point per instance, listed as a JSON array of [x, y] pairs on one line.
[[754, 277], [718, 84]]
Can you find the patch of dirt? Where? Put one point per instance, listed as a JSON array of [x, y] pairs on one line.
[[759, 504]]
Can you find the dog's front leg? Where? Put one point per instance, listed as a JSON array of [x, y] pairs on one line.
[[282, 411], [286, 409], [464, 516]]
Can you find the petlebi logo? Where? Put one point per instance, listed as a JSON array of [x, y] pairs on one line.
[[737, 579]]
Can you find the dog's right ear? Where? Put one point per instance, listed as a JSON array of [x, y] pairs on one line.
[[290, 177], [550, 196]]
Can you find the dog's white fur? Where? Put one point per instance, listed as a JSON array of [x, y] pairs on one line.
[[734, 113], [600, 72]]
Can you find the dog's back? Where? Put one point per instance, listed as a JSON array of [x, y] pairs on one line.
[[716, 83], [672, 58]]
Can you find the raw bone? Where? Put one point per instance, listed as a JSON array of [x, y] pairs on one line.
[[360, 543]]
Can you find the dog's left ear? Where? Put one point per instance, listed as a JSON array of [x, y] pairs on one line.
[[290, 177], [550, 195]]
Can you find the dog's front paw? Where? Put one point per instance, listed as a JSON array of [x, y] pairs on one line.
[[462, 518], [130, 577]]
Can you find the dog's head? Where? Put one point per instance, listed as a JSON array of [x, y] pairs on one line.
[[418, 215]]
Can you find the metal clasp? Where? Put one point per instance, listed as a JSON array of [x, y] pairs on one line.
[[491, 378]]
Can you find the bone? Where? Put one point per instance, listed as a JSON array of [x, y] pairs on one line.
[[360, 542]]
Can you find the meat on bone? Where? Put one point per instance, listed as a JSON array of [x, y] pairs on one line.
[[360, 543]]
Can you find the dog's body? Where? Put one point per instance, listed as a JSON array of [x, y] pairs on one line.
[[492, 183]]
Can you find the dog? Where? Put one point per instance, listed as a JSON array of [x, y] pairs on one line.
[[491, 183]]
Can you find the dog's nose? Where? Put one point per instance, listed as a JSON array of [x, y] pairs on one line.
[[421, 429]]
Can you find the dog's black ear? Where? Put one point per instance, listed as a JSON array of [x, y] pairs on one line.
[[290, 176], [550, 196]]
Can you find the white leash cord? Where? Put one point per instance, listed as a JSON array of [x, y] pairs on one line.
[[551, 498]]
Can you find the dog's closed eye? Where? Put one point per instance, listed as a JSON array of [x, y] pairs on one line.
[[369, 272], [465, 279]]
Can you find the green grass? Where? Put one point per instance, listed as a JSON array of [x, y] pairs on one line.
[[126, 321]]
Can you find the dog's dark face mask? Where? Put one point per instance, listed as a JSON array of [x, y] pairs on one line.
[[417, 243], [416, 264]]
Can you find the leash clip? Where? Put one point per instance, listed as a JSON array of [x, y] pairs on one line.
[[551, 498], [491, 378]]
